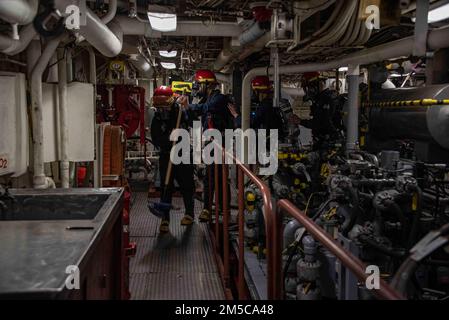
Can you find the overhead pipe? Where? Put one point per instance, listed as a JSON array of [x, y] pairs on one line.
[[64, 134], [107, 39], [20, 12], [12, 46], [135, 27], [251, 34], [40, 181], [437, 39]]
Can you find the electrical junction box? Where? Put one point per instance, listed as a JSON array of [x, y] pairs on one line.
[[14, 133], [80, 122]]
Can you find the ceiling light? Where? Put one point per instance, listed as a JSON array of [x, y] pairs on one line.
[[343, 69], [168, 65], [164, 22], [437, 14], [168, 54]]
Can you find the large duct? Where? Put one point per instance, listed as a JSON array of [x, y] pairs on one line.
[[427, 124], [20, 12], [251, 34]]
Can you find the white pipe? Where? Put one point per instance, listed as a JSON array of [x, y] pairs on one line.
[[62, 92], [352, 131], [18, 11], [33, 53], [141, 64], [40, 181], [93, 80], [12, 47], [92, 67], [106, 39], [69, 64], [134, 27], [438, 38]]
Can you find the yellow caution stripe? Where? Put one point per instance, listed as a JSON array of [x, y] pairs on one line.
[[406, 103]]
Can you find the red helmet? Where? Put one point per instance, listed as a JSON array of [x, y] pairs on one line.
[[163, 91], [163, 96], [205, 76], [310, 76], [261, 83]]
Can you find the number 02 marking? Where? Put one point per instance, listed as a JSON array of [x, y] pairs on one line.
[[3, 163]]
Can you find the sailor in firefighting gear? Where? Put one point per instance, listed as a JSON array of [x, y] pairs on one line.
[[326, 110], [163, 123], [265, 116], [216, 112]]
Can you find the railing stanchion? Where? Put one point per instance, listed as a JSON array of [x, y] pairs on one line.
[[225, 211], [241, 221], [216, 195]]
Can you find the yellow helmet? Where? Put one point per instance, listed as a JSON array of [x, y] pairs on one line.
[[250, 201]]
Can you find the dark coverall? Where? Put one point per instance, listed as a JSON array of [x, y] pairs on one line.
[[267, 117], [161, 127], [326, 122], [214, 114]]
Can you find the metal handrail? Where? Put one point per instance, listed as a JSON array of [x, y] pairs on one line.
[[350, 261], [268, 213]]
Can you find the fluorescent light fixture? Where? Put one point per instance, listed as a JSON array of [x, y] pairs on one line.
[[343, 69], [437, 14], [168, 54], [163, 22], [168, 65]]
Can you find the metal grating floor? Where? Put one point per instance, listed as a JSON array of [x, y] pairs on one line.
[[175, 266]]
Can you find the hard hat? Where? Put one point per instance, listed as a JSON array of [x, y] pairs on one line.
[[250, 200], [261, 83], [310, 76], [163, 96], [205, 76], [163, 91], [250, 197]]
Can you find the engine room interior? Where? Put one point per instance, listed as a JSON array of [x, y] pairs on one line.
[[224, 150]]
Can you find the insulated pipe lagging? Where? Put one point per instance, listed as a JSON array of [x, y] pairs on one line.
[[107, 39], [437, 39], [20, 12], [12, 47], [251, 34], [352, 131], [40, 181], [64, 135]]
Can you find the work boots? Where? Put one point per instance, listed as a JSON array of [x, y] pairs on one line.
[[204, 216]]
